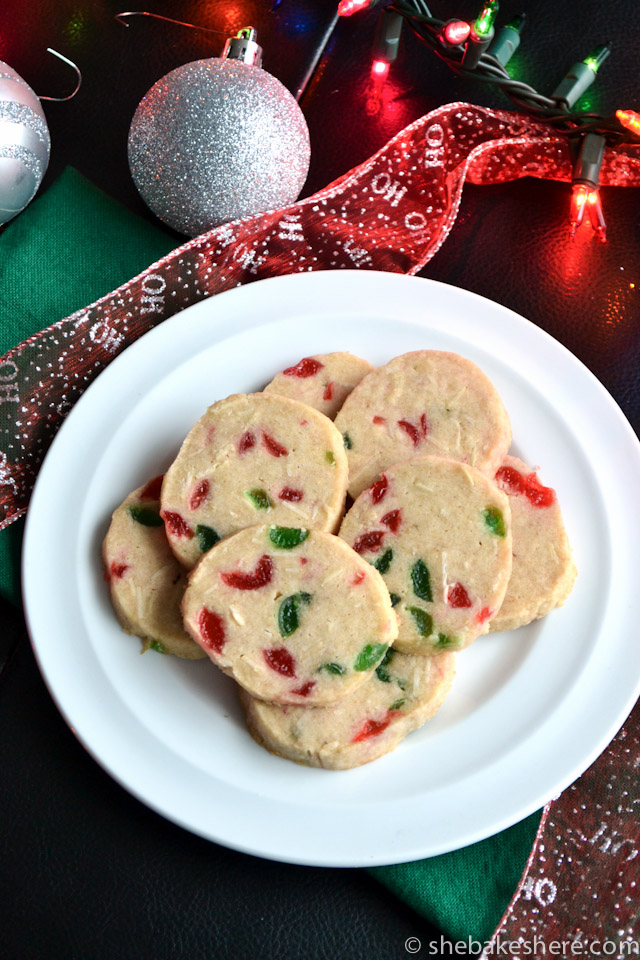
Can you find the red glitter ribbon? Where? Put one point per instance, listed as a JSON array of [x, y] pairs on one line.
[[579, 889], [391, 213]]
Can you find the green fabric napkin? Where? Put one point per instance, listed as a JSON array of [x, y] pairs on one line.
[[465, 893], [71, 246]]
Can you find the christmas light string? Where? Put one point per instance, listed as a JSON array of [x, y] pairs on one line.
[[480, 51]]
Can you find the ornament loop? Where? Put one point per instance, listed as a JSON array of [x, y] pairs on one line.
[[75, 67]]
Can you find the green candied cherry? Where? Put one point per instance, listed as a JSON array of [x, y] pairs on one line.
[[206, 537], [369, 656], [330, 457], [348, 442], [423, 621], [259, 498], [395, 599], [288, 616], [157, 646], [495, 521], [145, 516], [397, 704], [381, 669], [421, 580], [286, 538], [383, 562], [334, 668], [445, 643]]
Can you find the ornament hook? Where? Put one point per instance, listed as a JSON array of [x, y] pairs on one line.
[[75, 67]]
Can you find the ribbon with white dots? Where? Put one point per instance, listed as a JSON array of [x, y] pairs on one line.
[[392, 213], [580, 888]]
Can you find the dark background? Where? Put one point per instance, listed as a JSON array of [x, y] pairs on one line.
[[85, 870]]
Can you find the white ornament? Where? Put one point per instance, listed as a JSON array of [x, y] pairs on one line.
[[25, 144]]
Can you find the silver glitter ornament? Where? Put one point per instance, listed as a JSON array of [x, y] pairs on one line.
[[218, 139], [25, 144]]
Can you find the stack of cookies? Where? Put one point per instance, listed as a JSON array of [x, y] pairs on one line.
[[340, 629]]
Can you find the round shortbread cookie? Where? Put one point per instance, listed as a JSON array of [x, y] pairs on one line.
[[439, 532], [323, 381], [295, 616], [146, 582], [403, 693], [253, 459], [424, 403], [543, 571]]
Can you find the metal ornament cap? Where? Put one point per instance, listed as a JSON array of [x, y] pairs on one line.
[[25, 144], [217, 140], [245, 47]]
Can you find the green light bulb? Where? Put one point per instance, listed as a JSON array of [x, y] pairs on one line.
[[580, 77], [507, 40], [595, 60], [486, 18]]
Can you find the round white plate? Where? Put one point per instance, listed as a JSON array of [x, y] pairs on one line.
[[529, 711]]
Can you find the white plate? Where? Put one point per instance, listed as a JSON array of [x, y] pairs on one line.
[[529, 711]]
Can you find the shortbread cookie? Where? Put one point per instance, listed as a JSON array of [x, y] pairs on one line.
[[253, 459], [543, 571], [439, 532], [403, 693], [146, 581], [323, 381], [294, 615], [424, 403]]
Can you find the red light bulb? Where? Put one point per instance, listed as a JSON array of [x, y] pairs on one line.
[[587, 199], [456, 32], [597, 217], [380, 69], [629, 119], [347, 8], [377, 81]]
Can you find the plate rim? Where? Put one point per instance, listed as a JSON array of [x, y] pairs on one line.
[[165, 330]]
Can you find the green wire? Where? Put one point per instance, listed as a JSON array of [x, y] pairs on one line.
[[490, 71]]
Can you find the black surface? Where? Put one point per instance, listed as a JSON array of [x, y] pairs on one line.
[[85, 870], [10, 634]]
